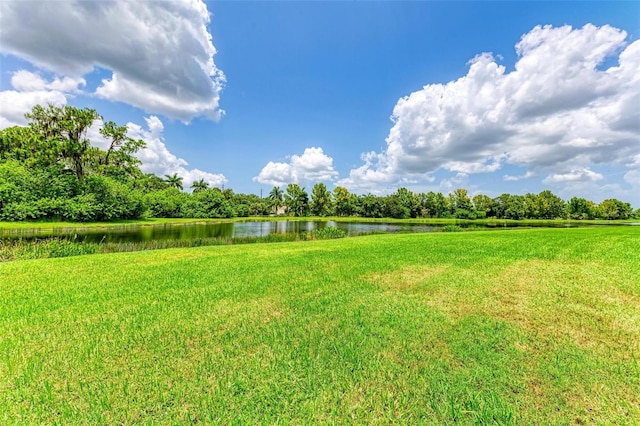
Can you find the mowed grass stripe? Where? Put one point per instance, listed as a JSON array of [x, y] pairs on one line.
[[520, 326]]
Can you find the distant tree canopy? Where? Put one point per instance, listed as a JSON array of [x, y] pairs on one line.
[[50, 171]]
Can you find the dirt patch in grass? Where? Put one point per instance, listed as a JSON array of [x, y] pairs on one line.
[[562, 305], [585, 303], [406, 279], [579, 322], [567, 301]]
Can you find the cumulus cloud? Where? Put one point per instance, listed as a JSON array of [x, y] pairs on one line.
[[157, 159], [14, 104], [558, 112], [160, 54], [511, 178], [30, 89], [27, 81], [577, 175], [633, 175], [312, 166]]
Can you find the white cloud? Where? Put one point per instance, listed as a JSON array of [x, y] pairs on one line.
[[577, 175], [633, 177], [458, 181], [312, 166], [14, 104], [26, 81], [556, 111], [635, 162], [160, 53], [527, 175], [276, 174], [157, 159], [30, 89]]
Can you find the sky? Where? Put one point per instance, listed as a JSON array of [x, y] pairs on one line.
[[492, 97]]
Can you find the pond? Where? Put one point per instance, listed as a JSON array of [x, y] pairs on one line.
[[177, 231]]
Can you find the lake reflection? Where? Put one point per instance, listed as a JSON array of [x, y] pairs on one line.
[[190, 231]]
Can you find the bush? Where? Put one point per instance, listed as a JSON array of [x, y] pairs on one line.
[[242, 210], [208, 203], [115, 200], [451, 228], [169, 202], [326, 233], [82, 208]]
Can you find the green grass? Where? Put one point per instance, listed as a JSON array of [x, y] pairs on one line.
[[533, 326]]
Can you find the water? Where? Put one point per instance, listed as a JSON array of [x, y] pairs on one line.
[[140, 233]]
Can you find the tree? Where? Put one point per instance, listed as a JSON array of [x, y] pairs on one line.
[[371, 206], [461, 200], [320, 200], [26, 145], [120, 141], [297, 200], [483, 204], [228, 194], [174, 181], [67, 126], [409, 201], [150, 183], [208, 203], [167, 202], [580, 208], [531, 206], [343, 201], [119, 160], [115, 200], [509, 206], [393, 207], [199, 185], [276, 199], [434, 204], [550, 206], [614, 209]]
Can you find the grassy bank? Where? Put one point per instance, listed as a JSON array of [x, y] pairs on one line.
[[45, 248], [527, 326], [53, 247]]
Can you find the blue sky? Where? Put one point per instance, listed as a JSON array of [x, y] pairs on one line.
[[308, 89]]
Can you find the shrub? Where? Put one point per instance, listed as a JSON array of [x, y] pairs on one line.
[[169, 202], [115, 199], [242, 210], [208, 203], [327, 233]]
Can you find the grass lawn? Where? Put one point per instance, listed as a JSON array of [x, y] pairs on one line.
[[531, 326]]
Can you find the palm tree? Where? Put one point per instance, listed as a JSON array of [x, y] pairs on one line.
[[174, 181], [199, 185], [276, 198], [297, 200]]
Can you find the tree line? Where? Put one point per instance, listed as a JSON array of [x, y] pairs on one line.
[[50, 171]]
